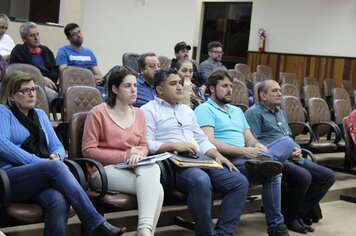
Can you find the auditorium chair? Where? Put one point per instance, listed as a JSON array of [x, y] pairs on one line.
[[290, 90], [30, 69], [164, 62], [266, 70], [71, 76], [328, 85], [235, 75], [341, 109], [239, 95], [130, 59], [321, 123], [347, 84], [311, 81], [310, 91], [22, 213], [301, 130], [246, 72]]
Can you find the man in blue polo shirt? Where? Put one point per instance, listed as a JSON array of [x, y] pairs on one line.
[[148, 64], [307, 182], [228, 130]]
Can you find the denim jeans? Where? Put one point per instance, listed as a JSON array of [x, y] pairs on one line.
[[52, 185], [306, 184], [279, 150], [199, 184]]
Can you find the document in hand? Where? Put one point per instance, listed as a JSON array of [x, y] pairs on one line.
[[147, 160], [202, 162]]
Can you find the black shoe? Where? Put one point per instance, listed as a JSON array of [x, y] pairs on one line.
[[111, 230], [308, 221], [280, 230], [263, 167], [307, 227], [295, 226]]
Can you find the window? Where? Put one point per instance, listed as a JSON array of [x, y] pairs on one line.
[[39, 11], [228, 23]]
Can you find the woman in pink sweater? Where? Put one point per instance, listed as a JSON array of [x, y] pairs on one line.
[[115, 132]]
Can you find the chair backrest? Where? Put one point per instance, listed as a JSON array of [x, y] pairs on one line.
[[319, 112], [289, 78], [30, 69], [347, 84], [236, 75], [76, 128], [310, 91], [244, 69], [258, 77], [290, 90], [294, 110], [311, 81], [79, 99], [239, 95], [130, 59], [266, 70], [42, 101], [342, 108], [340, 93], [164, 62], [73, 76], [328, 85]]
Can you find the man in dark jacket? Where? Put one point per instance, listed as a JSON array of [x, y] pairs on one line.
[[32, 52]]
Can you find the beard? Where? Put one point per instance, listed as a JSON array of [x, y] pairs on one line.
[[223, 100]]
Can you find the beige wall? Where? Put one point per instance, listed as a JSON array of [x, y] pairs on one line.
[[111, 27]]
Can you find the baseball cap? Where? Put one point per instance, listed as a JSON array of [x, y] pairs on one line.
[[181, 45]]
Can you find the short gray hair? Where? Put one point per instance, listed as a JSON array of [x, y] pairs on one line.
[[24, 28], [4, 17]]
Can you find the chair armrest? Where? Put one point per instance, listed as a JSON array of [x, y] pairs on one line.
[[243, 107], [102, 173], [333, 126], [77, 171], [307, 127], [306, 153], [5, 190]]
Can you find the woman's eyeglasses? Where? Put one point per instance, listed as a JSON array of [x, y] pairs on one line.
[[27, 91]]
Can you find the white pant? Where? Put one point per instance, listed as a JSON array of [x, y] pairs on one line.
[[142, 181]]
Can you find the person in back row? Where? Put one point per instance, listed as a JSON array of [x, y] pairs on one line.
[[307, 182], [215, 52], [6, 42], [34, 53], [148, 64], [227, 129], [75, 54]]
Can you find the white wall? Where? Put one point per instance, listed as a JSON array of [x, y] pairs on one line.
[[113, 27], [321, 27]]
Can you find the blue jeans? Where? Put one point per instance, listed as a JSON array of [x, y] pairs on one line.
[[52, 185], [306, 184], [279, 150], [199, 184]]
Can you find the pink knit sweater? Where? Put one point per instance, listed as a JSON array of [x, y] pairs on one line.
[[106, 142]]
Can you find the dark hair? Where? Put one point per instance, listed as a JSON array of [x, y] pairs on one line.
[[142, 59], [218, 74], [162, 75], [214, 44], [69, 27], [117, 75]]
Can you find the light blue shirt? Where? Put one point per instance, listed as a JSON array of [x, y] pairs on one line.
[[167, 124], [69, 56], [229, 125]]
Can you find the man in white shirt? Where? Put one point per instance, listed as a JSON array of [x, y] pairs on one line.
[[6, 42]]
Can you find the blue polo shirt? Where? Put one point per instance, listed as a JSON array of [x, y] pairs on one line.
[[145, 92], [229, 125], [267, 126]]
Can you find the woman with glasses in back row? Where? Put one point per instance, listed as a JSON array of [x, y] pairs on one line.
[[32, 157]]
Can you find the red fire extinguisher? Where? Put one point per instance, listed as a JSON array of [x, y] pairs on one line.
[[262, 40]]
